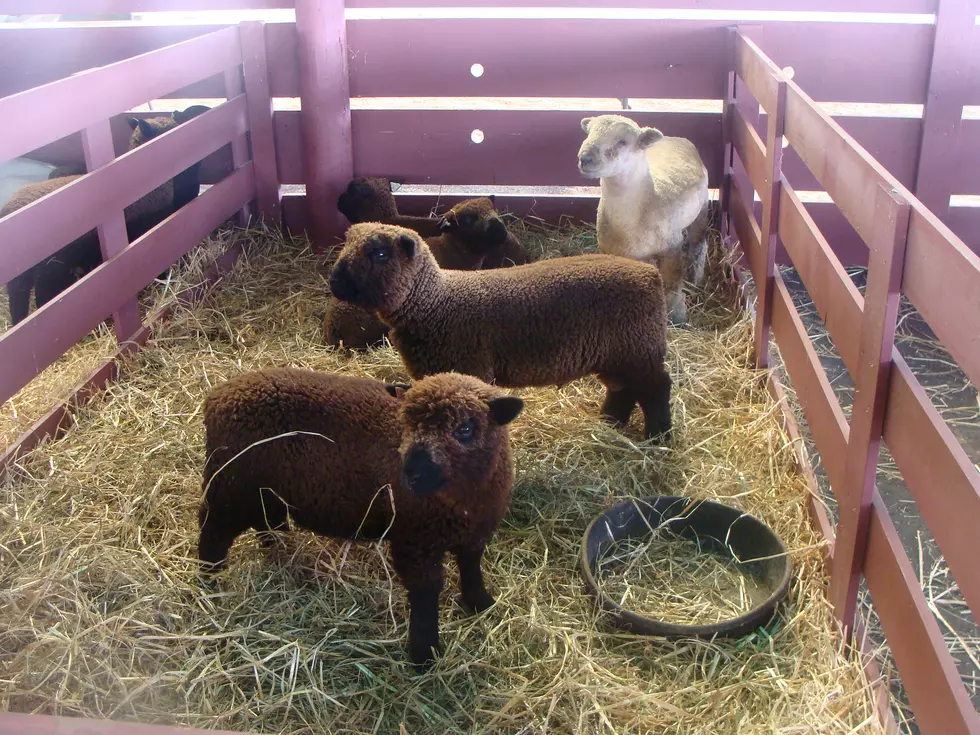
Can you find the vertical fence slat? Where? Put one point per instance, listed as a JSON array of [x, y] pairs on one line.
[[259, 99], [945, 97], [770, 221], [885, 265], [728, 106], [325, 89], [99, 150], [234, 86]]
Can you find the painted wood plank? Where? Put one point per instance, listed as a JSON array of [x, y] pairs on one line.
[[261, 131], [39, 340], [613, 58], [933, 685], [876, 345], [41, 228], [100, 93], [11, 724]]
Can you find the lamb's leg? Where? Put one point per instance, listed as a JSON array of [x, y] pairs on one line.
[[54, 278], [215, 541], [655, 402], [619, 403], [474, 594], [421, 572], [676, 307], [697, 262]]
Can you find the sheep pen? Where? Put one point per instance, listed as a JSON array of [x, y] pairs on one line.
[[101, 614]]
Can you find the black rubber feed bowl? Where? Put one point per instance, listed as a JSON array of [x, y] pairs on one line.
[[748, 542]]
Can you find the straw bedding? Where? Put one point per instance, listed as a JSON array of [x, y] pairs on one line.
[[100, 613]]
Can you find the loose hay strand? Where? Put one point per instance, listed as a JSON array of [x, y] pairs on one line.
[[101, 614]]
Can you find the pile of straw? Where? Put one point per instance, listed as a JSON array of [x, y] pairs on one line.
[[101, 615]]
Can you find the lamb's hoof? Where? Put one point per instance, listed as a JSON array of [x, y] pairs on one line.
[[422, 658], [476, 605], [660, 435]]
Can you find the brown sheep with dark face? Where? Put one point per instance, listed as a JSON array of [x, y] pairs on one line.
[[369, 199], [426, 467], [471, 232], [545, 323]]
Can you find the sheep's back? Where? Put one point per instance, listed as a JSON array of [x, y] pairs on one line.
[[554, 320], [329, 473]]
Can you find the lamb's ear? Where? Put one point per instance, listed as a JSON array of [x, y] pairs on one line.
[[133, 123], [505, 409], [407, 244], [586, 121], [648, 136], [492, 198], [397, 390], [146, 129], [444, 225]]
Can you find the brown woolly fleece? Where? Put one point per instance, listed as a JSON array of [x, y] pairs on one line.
[[426, 467], [369, 199], [545, 323], [471, 232]]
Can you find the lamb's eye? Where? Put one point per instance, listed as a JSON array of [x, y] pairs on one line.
[[620, 144], [467, 220], [381, 256], [464, 432]]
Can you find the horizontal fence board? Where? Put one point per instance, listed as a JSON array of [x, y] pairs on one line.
[[69, 150], [48, 725], [23, 7], [612, 58], [942, 280], [537, 147], [750, 148], [928, 673], [17, 7], [832, 291], [938, 473], [35, 343], [30, 57], [964, 223], [824, 416], [43, 227], [66, 106], [520, 148]]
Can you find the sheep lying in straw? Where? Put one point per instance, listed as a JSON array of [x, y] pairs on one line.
[[470, 232], [427, 468], [545, 323], [56, 273], [369, 199], [654, 200]]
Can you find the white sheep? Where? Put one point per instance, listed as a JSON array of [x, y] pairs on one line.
[[654, 200]]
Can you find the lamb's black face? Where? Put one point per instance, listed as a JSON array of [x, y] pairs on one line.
[[367, 200], [420, 474], [372, 270], [477, 224]]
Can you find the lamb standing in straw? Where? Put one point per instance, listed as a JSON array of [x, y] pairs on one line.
[[654, 201]]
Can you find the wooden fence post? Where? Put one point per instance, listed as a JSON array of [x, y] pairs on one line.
[[260, 122], [770, 220], [99, 150], [325, 89], [945, 97], [727, 168], [234, 86], [885, 267]]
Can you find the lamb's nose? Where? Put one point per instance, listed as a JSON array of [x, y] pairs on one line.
[[586, 160]]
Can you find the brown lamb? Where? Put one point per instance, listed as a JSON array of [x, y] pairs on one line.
[[369, 199], [470, 231], [426, 467], [545, 323]]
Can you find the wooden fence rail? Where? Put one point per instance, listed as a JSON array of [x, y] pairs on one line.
[[889, 403]]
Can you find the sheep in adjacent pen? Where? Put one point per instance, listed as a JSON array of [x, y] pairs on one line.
[[544, 323], [654, 200], [57, 272], [426, 467]]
